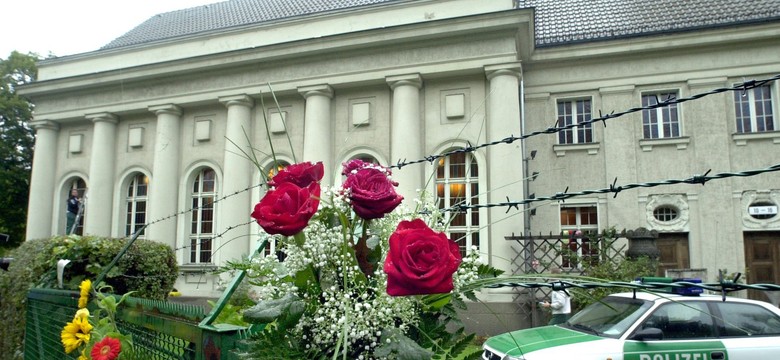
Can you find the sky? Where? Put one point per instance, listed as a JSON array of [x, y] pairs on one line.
[[66, 27]]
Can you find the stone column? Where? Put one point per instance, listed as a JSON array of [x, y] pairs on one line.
[[164, 187], [504, 161], [237, 177], [406, 133], [100, 194], [39, 209], [318, 128]]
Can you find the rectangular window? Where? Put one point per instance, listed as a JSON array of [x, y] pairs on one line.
[[136, 204], [202, 220], [579, 247], [573, 112], [753, 110], [661, 122], [457, 183]]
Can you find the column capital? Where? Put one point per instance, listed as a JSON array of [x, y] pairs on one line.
[[240, 100], [408, 79], [44, 124], [102, 117], [321, 90], [511, 69], [166, 109]]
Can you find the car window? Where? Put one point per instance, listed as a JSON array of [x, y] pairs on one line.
[[747, 320], [681, 320], [610, 317]]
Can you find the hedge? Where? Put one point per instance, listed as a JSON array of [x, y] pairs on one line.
[[149, 268]]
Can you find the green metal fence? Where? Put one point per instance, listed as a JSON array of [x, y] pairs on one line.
[[160, 330]]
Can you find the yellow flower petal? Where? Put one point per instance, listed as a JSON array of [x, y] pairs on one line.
[[84, 288], [82, 314]]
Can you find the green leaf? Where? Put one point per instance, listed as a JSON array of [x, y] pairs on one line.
[[395, 342], [299, 239], [435, 302], [268, 311]]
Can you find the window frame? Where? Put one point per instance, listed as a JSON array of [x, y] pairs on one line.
[[655, 119], [579, 248], [469, 234], [196, 201], [132, 200], [752, 117], [571, 136]]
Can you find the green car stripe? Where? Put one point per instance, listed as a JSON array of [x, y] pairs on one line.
[[529, 340], [673, 350]]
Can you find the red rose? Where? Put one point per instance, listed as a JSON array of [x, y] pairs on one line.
[[287, 209], [420, 261], [372, 193], [354, 165], [301, 174]]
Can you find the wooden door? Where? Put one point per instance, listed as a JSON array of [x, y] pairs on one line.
[[675, 252], [762, 259]]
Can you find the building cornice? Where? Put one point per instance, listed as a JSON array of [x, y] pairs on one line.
[[233, 42]]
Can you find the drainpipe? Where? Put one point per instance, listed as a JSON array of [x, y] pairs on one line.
[[526, 183]]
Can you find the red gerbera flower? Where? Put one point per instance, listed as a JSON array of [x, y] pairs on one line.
[[106, 349]]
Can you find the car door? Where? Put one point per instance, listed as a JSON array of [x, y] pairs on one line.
[[678, 330], [749, 331]]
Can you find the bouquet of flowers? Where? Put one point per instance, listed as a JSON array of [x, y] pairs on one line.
[[96, 335], [357, 277]]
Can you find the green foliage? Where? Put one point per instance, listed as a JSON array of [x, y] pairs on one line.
[[30, 261], [16, 143], [106, 326], [606, 267], [148, 268], [612, 270]]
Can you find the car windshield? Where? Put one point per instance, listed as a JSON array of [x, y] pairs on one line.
[[610, 317]]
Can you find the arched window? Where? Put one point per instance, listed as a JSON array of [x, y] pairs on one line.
[[135, 209], [81, 186], [457, 183], [204, 192]]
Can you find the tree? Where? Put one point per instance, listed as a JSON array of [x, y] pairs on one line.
[[16, 144]]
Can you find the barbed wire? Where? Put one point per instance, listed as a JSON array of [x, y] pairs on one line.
[[615, 189], [744, 86], [188, 210], [724, 286], [561, 196]]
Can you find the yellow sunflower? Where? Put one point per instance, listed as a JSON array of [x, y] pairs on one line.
[[82, 314], [85, 286], [75, 333]]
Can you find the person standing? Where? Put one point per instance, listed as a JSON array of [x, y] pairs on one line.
[[72, 211], [560, 304]]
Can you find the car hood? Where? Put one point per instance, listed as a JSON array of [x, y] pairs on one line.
[[525, 341]]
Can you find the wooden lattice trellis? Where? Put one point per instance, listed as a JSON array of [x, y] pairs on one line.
[[540, 254]]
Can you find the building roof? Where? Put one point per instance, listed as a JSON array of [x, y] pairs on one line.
[[557, 22], [226, 15], [560, 22]]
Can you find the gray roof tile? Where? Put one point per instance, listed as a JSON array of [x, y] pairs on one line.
[[568, 21], [557, 21], [227, 14]]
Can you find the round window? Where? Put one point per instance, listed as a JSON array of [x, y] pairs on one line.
[[665, 213]]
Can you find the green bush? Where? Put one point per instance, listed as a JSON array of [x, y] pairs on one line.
[[148, 268]]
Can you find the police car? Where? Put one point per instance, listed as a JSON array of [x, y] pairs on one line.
[[645, 326]]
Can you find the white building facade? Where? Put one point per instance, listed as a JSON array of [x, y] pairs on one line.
[[156, 127]]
